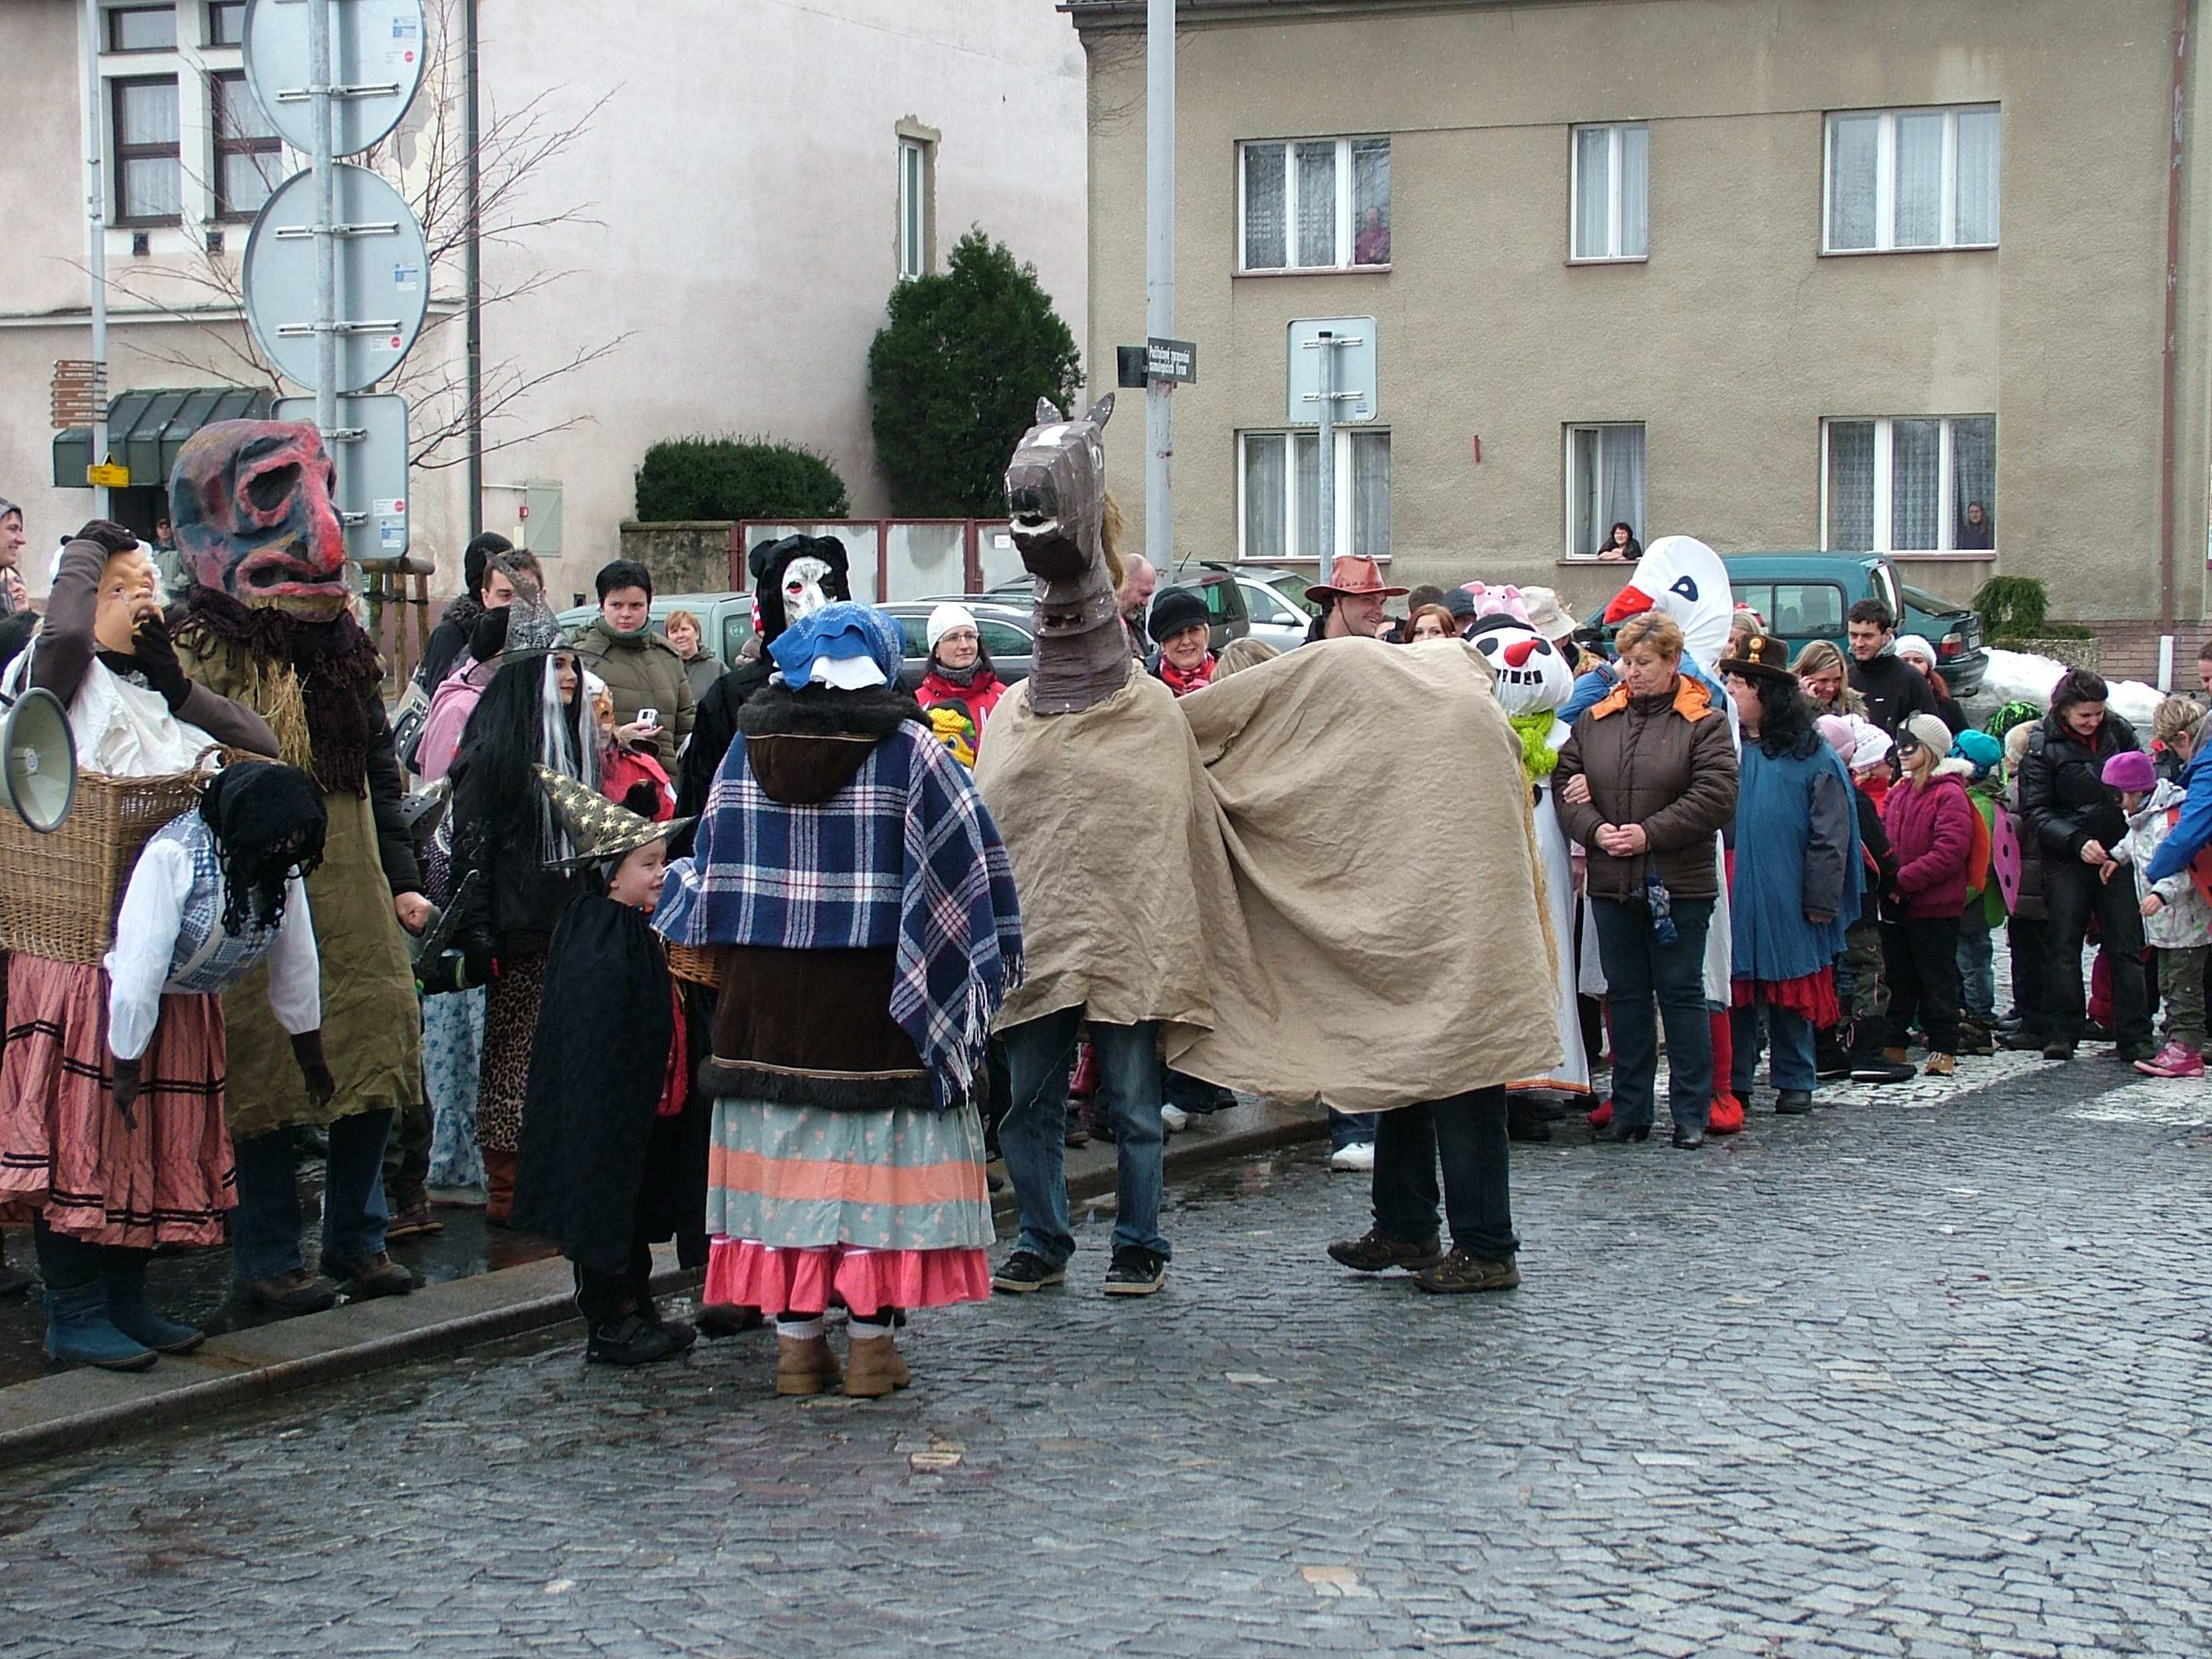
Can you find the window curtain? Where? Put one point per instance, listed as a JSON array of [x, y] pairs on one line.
[[1593, 192], [1851, 486], [1635, 190], [1370, 494], [1317, 203], [1853, 141], [1305, 449], [1265, 494], [1976, 216], [1371, 189], [1973, 470], [1619, 482], [1919, 180], [1915, 464], [1264, 244]]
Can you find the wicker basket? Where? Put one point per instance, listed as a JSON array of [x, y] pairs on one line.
[[63, 889], [699, 967]]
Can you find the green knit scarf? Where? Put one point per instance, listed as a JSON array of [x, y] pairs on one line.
[[1538, 758]]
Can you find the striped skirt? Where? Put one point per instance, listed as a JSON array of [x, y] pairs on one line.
[[66, 1155], [810, 1207]]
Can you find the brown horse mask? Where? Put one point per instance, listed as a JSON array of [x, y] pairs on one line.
[[250, 504], [1057, 508]]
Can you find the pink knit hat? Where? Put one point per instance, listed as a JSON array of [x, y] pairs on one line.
[[2131, 773]]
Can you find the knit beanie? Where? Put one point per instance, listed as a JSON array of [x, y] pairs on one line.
[[1836, 729], [2131, 772], [1980, 751], [945, 619], [1931, 734]]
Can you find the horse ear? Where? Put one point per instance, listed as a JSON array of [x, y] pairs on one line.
[[1046, 413], [1101, 411]]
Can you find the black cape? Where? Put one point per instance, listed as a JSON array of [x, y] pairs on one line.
[[599, 1172]]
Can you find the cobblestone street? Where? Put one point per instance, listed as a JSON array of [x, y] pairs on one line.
[[1917, 1378]]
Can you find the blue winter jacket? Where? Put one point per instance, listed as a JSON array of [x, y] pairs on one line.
[[2193, 832], [1797, 849]]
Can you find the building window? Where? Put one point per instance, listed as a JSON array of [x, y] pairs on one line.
[[1912, 179], [1280, 491], [1910, 484], [1605, 485], [1315, 204], [1610, 190], [141, 28], [226, 22], [913, 204], [148, 175], [249, 161]]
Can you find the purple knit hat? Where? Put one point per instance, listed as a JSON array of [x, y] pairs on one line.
[[2130, 772]]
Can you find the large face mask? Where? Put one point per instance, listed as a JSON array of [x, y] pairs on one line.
[[1056, 506], [250, 501], [1532, 675], [803, 589]]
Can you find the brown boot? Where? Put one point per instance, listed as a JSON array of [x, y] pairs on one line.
[[1939, 1066], [1895, 1056], [873, 1368], [805, 1365], [498, 1187]]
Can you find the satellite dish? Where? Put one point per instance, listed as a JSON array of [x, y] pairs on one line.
[[38, 760]]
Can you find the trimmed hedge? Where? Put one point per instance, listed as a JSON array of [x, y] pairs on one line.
[[702, 477]]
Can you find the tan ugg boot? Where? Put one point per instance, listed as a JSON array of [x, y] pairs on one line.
[[1896, 1056], [873, 1368], [805, 1365], [1938, 1066]]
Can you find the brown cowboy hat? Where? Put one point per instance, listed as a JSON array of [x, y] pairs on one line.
[[1765, 658], [1351, 575]]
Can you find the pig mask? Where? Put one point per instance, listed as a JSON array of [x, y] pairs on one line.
[[250, 503]]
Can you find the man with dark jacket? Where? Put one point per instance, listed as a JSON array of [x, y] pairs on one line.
[[2077, 822], [642, 669], [1893, 689]]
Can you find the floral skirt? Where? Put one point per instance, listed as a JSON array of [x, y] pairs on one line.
[[808, 1207], [452, 1058], [67, 1156], [510, 1027]]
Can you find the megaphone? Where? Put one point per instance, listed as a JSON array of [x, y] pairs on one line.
[[38, 759]]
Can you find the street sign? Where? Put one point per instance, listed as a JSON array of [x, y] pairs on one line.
[[376, 65], [1352, 350], [383, 270], [1174, 360], [79, 391], [107, 474], [368, 449]]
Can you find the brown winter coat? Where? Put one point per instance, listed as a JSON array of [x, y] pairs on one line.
[[642, 670], [1665, 761]]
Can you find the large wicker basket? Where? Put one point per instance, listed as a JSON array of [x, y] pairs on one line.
[[700, 966], [61, 892]]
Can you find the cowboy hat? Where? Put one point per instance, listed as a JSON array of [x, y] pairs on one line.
[[1354, 576]]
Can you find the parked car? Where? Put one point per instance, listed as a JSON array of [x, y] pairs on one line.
[[1227, 613], [725, 620], [1003, 629], [1804, 597], [1275, 619], [1288, 583]]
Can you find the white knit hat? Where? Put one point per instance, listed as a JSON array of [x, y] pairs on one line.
[[1913, 644], [946, 618]]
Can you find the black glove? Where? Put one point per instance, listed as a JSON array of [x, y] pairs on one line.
[[126, 1090], [307, 1049], [111, 536], [155, 655]]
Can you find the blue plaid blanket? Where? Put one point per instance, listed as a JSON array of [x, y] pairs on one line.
[[905, 855]]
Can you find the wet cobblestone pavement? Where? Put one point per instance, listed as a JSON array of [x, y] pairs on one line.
[[1920, 1375]]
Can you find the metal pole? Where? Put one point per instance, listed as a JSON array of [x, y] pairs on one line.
[[95, 244], [1159, 277], [320, 79], [472, 276], [1325, 532]]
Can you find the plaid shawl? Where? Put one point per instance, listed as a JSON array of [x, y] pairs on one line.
[[905, 855]]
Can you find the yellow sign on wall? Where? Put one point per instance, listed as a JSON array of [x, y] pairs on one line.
[[108, 475]]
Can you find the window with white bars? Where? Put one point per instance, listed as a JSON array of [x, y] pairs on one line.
[[1278, 494], [1902, 179], [1313, 203], [1909, 484], [1609, 191]]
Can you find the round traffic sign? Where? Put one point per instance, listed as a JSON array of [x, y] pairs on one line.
[[384, 278], [376, 51]]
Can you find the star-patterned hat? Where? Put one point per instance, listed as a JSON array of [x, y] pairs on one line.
[[597, 827]]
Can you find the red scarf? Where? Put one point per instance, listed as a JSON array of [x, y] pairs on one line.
[[1182, 684]]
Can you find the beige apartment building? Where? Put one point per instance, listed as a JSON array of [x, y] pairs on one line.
[[1781, 274]]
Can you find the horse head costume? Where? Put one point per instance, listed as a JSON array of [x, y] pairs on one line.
[[1056, 501]]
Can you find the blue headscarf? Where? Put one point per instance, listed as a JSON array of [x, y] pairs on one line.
[[845, 628]]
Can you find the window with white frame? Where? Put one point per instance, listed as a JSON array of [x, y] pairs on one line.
[[1917, 483], [1912, 179], [914, 193], [1278, 494], [149, 154], [1605, 484], [1611, 192], [140, 29], [187, 143], [1313, 203], [249, 157]]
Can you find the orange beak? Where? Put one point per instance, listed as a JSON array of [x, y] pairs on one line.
[[1629, 602]]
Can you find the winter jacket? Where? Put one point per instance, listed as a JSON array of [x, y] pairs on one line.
[[1931, 834], [2194, 832], [2062, 786], [1666, 761], [642, 670], [703, 671], [1893, 689], [1797, 844], [2185, 920], [980, 696]]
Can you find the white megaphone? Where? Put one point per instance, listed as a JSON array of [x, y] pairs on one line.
[[38, 759]]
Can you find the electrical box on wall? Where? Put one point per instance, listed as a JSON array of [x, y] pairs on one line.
[[527, 514]]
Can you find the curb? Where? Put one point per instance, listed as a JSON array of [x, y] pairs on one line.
[[528, 1308]]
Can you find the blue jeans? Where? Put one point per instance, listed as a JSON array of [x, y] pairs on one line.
[[1351, 1129], [1794, 1067], [1977, 972], [1467, 1134], [1640, 972], [264, 1229], [1034, 1133]]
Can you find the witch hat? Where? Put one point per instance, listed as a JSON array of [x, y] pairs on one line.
[[598, 828]]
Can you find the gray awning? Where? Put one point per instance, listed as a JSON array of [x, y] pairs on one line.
[[145, 430]]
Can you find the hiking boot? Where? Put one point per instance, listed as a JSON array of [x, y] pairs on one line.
[[1939, 1066], [805, 1365], [1372, 1253], [873, 1368], [1975, 1041], [288, 1295], [413, 1222], [635, 1340], [1795, 1102], [1459, 1272], [2173, 1060], [370, 1276], [1025, 1271], [1136, 1272]]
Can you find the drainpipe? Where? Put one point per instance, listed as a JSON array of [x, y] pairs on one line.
[[472, 276], [2179, 110]]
